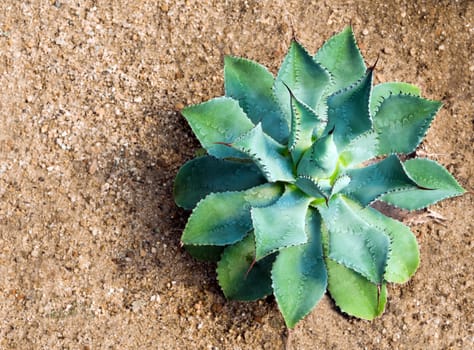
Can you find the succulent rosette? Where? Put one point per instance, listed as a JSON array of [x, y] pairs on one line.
[[282, 199]]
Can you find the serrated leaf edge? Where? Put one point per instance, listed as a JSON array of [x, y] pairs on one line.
[[225, 192], [427, 123]]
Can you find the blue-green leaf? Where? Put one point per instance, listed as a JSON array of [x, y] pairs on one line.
[[360, 149], [281, 224], [348, 111], [434, 182], [384, 90], [402, 121], [218, 120], [267, 154], [251, 84], [201, 176], [299, 274], [311, 187], [354, 294], [320, 160], [300, 73], [240, 277], [303, 122], [342, 58], [352, 241], [404, 256], [224, 218], [369, 183], [340, 183], [205, 252]]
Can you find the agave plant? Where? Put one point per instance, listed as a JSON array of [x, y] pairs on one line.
[[282, 200]]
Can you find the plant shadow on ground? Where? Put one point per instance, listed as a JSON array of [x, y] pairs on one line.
[[151, 257]]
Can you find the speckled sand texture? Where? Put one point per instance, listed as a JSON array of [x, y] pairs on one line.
[[91, 139]]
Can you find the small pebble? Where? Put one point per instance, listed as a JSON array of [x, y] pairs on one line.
[[93, 167]]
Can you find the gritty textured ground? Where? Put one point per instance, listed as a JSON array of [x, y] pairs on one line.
[[91, 139]]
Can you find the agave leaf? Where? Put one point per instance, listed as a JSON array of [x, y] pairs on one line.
[[251, 84], [303, 122], [311, 187], [205, 252], [224, 218], [340, 183], [281, 224], [240, 277], [348, 111], [384, 90], [369, 183], [360, 149], [352, 241], [404, 255], [300, 73], [354, 294], [402, 121], [299, 274], [320, 160], [220, 120], [201, 176], [434, 181], [342, 58], [267, 154]]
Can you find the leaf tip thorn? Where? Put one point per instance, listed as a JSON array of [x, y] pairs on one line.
[[372, 67]]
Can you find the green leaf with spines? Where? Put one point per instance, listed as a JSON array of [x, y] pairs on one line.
[[281, 224], [218, 120], [320, 160], [342, 58], [311, 187], [402, 121], [303, 123], [204, 175], [224, 218], [251, 84], [404, 256], [348, 111], [340, 183], [354, 294], [240, 277], [384, 90], [266, 153], [434, 182], [299, 275], [359, 150], [300, 73], [352, 241], [369, 183]]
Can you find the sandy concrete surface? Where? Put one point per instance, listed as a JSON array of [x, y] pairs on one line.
[[91, 139]]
